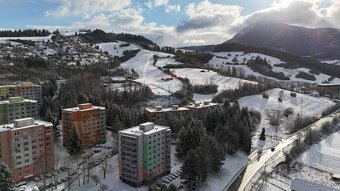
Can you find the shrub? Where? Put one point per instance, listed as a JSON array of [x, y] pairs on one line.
[[279, 99], [293, 94], [265, 95], [306, 76], [288, 111]]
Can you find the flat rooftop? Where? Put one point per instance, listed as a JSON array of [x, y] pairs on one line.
[[135, 131], [327, 85], [73, 109], [304, 185], [169, 109], [202, 105], [25, 100], [11, 127]]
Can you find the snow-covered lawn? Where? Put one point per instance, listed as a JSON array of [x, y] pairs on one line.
[[114, 48], [324, 155], [225, 59], [150, 75], [311, 106], [232, 165]]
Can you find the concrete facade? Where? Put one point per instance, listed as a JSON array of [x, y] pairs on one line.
[[144, 153], [27, 147], [89, 122], [27, 90], [17, 108]]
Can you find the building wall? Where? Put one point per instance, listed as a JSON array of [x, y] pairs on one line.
[[144, 157], [131, 159], [159, 117], [89, 124], [29, 150], [332, 91], [17, 109], [26, 90]]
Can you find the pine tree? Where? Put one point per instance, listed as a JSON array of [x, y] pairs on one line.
[[6, 181], [74, 145], [190, 170], [263, 135]]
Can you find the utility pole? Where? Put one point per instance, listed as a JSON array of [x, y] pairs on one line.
[[301, 106]]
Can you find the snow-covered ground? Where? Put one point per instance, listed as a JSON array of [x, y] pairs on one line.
[[232, 165], [311, 106], [223, 60], [114, 48], [324, 155], [150, 75], [202, 77], [334, 62]]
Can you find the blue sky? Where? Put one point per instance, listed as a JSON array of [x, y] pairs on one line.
[[16, 14], [167, 22]]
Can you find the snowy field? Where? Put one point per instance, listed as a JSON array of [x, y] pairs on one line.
[[311, 106], [202, 77], [324, 155], [114, 49], [223, 60], [150, 75]]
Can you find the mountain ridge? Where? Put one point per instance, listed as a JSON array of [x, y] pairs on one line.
[[316, 42]]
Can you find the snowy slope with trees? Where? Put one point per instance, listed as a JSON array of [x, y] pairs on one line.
[[150, 75], [117, 48], [201, 77], [223, 60], [271, 106]]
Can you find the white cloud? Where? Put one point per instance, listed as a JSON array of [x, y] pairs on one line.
[[87, 7], [169, 8], [207, 23]]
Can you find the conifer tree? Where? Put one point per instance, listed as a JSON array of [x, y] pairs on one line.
[[263, 135], [6, 181]]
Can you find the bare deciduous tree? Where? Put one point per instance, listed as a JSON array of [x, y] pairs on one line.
[[274, 117]]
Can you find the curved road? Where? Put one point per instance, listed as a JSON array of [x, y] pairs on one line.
[[254, 167]]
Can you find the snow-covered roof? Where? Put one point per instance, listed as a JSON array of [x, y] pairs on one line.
[[136, 131], [329, 85], [304, 185], [12, 127]]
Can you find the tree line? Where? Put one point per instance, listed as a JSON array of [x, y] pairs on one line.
[[24, 33]]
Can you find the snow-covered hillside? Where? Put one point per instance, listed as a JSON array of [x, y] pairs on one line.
[[230, 59], [117, 48], [201, 77], [334, 62], [150, 75]]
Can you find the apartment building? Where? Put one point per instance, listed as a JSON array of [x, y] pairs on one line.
[[330, 90], [17, 108], [144, 153], [27, 90], [199, 110], [26, 146], [89, 122], [159, 115]]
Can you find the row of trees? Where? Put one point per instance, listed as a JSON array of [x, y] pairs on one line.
[[24, 33], [202, 144]]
